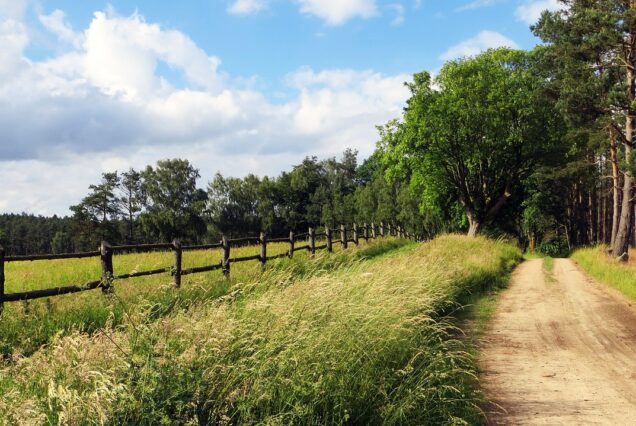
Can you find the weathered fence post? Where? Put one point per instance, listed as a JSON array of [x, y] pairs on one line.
[[355, 233], [382, 229], [263, 250], [225, 264], [312, 241], [291, 243], [106, 257], [329, 241], [343, 236], [178, 252], [373, 234], [1, 278]]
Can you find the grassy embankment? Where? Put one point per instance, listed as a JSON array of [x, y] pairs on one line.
[[607, 270], [306, 342]]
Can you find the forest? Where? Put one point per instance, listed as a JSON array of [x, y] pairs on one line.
[[534, 145]]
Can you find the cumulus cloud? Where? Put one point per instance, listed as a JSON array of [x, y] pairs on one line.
[[337, 12], [246, 7], [104, 105], [531, 11], [473, 46]]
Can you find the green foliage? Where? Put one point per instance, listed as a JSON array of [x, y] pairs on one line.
[[175, 203], [554, 246], [473, 135]]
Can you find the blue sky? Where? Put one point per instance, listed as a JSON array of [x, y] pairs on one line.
[[236, 86]]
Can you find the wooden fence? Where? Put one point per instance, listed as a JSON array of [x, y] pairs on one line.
[[106, 251]]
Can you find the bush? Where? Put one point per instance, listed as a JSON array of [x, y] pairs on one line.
[[554, 247]]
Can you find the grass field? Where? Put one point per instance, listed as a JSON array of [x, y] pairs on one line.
[[25, 326], [336, 340], [607, 270]]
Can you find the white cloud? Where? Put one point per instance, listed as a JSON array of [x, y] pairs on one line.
[[246, 7], [333, 12], [13, 39], [531, 11], [13, 9], [56, 24], [398, 13], [104, 104], [473, 46], [337, 12], [477, 4]]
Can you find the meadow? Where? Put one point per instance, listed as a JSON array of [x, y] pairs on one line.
[[604, 268], [364, 336], [25, 326]]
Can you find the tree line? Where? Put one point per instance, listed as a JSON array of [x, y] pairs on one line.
[[163, 202]]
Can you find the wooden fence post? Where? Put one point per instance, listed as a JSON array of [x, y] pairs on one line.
[[226, 256], [263, 250], [343, 236], [355, 233], [329, 241], [178, 253], [373, 234], [106, 257], [382, 229], [312, 241], [291, 243], [366, 232], [1, 278]]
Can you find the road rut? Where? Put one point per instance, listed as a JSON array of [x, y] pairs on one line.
[[560, 351]]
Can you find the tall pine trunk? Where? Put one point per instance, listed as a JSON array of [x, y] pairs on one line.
[[621, 242], [615, 188]]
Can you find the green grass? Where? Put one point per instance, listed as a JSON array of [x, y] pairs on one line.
[[548, 270], [26, 326], [607, 270], [309, 342]]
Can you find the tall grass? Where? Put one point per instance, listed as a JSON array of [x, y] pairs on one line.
[[365, 343], [607, 270], [25, 326]]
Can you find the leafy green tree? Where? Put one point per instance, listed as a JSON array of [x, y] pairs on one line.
[[234, 205], [175, 204], [475, 134]]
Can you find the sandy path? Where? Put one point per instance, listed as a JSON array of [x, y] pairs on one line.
[[560, 353]]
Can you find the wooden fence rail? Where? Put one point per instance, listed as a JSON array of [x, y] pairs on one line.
[[106, 251]]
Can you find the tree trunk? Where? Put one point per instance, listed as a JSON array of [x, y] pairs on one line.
[[621, 242], [474, 227], [615, 186]]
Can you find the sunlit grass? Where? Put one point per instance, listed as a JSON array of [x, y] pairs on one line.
[[305, 343], [25, 326], [608, 270]]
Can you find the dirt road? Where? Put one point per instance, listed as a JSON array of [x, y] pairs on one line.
[[561, 352]]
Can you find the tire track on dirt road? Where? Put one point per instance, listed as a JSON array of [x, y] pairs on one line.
[[560, 352]]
